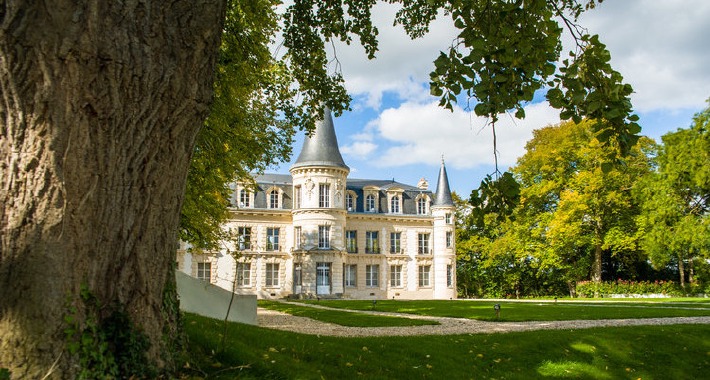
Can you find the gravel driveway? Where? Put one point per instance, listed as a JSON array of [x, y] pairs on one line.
[[448, 326]]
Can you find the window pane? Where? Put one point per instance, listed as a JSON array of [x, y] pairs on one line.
[[395, 242], [351, 241], [423, 244], [372, 275], [372, 243], [424, 275], [272, 274], [324, 237], [204, 271], [272, 239], [324, 195]]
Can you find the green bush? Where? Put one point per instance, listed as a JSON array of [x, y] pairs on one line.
[[607, 288]]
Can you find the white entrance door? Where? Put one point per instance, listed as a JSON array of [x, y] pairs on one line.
[[323, 278]]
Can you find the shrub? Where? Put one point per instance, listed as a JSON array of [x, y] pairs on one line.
[[607, 288]]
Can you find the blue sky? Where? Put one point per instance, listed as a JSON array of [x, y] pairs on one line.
[[662, 48]]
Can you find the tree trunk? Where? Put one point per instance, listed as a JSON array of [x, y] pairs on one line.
[[101, 102], [597, 268], [691, 270], [681, 271]]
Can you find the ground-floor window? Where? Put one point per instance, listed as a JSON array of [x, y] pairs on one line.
[[204, 271], [372, 274], [243, 274], [350, 275], [396, 276], [424, 273], [272, 274]]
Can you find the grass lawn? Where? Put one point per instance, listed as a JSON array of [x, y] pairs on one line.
[[640, 352], [344, 318], [514, 311]]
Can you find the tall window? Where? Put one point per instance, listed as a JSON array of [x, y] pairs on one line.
[[370, 203], [324, 195], [349, 202], [448, 218], [204, 271], [297, 237], [351, 241], [396, 276], [243, 274], [372, 274], [424, 272], [244, 238], [394, 205], [350, 275], [297, 197], [423, 244], [395, 242], [421, 206], [450, 276], [372, 242], [274, 199], [272, 274], [244, 198], [272, 239], [324, 237], [449, 239]]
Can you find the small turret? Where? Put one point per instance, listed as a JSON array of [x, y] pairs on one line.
[[443, 192]]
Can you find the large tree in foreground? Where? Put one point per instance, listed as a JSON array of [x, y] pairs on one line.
[[101, 106]]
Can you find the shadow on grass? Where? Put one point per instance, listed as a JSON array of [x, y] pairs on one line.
[[648, 352]]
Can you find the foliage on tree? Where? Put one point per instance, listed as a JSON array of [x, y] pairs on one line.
[[570, 215], [586, 210], [674, 223], [504, 53]]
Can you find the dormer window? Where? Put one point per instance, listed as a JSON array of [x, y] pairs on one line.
[[243, 198], [349, 201], [370, 203], [395, 204], [274, 198], [422, 205]]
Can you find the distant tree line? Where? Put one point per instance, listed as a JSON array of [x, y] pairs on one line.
[[575, 213]]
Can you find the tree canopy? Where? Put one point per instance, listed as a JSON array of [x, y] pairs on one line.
[[674, 223], [504, 53]]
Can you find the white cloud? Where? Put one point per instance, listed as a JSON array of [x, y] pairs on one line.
[[421, 133], [401, 66], [359, 149], [660, 47]]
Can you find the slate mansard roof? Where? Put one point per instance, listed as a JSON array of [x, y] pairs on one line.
[[321, 149]]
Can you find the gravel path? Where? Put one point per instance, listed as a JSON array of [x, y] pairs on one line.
[[448, 326]]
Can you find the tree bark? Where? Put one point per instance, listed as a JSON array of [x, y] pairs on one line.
[[101, 102], [681, 271]]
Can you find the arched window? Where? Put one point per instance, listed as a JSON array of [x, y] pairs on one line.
[[349, 202], [370, 203], [274, 198], [395, 204]]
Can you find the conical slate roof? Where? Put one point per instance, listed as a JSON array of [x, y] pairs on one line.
[[321, 148], [443, 192]]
